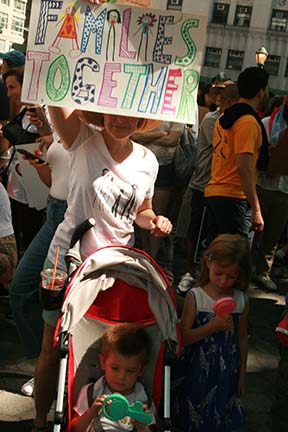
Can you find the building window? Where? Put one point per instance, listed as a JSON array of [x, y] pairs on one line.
[[212, 57], [286, 70], [3, 21], [243, 16], [220, 13], [272, 64], [5, 2], [17, 26], [235, 59], [279, 20], [20, 6], [174, 4]]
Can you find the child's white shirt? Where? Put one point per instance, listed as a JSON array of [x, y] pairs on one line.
[[100, 388]]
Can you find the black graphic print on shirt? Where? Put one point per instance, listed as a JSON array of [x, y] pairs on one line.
[[114, 195]]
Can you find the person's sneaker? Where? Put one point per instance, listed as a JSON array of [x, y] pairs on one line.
[[186, 283], [28, 388], [266, 282]]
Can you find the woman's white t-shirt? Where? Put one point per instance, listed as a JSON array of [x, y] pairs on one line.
[[109, 191], [58, 159]]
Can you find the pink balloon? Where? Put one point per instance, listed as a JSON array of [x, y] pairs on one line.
[[224, 306]]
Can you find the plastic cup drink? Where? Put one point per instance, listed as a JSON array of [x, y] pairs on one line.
[[50, 281], [52, 288]]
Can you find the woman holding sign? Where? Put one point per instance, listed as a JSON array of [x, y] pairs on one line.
[[112, 179]]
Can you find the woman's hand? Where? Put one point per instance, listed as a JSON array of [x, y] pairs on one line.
[[44, 143], [97, 1], [36, 116], [161, 226], [36, 163]]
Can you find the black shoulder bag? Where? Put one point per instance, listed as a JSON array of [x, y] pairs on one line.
[[16, 134]]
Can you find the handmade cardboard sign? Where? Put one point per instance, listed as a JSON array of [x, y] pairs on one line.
[[114, 58]]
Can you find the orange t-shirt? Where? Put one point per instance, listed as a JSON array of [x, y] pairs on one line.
[[244, 136]]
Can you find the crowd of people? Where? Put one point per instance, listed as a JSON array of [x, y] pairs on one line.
[[119, 170]]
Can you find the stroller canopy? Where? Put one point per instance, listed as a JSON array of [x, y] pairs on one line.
[[99, 273]]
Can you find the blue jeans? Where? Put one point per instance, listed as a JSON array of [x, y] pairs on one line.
[[24, 287]]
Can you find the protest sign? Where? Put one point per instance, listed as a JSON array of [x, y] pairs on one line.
[[114, 58]]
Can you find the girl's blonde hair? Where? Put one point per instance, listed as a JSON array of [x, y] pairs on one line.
[[230, 249]]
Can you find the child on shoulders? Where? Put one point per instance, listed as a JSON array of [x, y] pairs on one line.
[[125, 350]]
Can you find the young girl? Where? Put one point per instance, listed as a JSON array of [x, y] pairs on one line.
[[209, 376]]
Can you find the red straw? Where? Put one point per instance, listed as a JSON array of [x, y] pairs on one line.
[[55, 268]]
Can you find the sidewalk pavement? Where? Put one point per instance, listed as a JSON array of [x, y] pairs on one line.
[[17, 411]]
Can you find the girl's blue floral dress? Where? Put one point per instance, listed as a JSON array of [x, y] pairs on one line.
[[205, 378]]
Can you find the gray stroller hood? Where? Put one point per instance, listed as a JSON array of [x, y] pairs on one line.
[[99, 272]]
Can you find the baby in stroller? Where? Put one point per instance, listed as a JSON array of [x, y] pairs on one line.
[[125, 350]]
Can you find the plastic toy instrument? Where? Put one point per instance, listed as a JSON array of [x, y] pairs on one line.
[[224, 306], [116, 406]]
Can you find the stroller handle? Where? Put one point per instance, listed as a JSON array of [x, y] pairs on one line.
[[72, 257], [80, 230]]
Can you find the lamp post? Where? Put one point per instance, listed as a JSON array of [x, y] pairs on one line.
[[261, 56]]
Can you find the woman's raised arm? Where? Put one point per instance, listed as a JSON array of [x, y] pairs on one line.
[[66, 123]]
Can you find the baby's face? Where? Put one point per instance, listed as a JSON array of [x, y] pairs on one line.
[[121, 372]]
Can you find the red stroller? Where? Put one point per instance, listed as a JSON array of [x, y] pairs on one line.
[[115, 284]]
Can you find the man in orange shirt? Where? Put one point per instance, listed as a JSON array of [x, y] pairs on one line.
[[240, 146]]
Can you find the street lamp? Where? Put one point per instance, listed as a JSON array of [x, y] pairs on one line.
[[261, 56]]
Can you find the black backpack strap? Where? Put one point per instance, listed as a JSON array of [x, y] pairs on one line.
[[96, 422], [90, 398]]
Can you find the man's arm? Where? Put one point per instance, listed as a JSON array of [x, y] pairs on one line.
[[244, 164], [8, 258], [170, 139]]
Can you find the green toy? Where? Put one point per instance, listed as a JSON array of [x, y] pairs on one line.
[[118, 407]]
